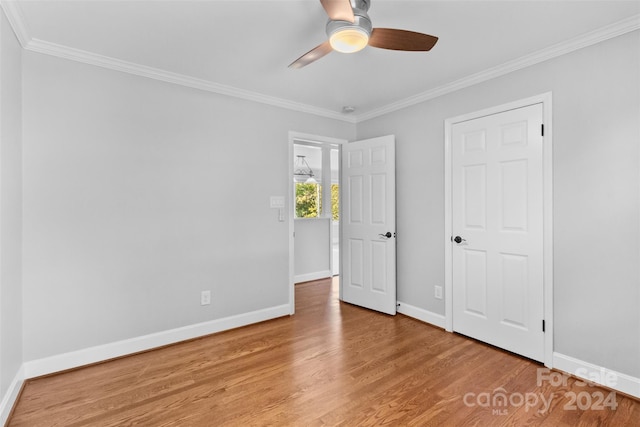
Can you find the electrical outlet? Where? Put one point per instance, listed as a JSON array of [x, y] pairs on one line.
[[205, 298], [438, 294]]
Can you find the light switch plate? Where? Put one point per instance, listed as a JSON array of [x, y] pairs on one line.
[[277, 202]]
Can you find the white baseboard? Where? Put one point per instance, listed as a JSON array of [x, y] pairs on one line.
[[74, 359], [9, 399], [597, 374], [421, 314], [312, 276]]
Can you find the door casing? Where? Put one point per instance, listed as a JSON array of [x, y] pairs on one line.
[[546, 100]]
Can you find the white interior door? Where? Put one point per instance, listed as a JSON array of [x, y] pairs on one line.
[[497, 224], [368, 221]]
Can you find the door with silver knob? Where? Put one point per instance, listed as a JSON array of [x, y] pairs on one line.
[[368, 247], [497, 286]]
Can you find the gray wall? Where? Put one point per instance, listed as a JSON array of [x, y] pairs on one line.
[[313, 249], [10, 206], [137, 197], [132, 203], [596, 166]]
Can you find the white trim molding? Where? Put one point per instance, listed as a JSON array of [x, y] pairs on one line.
[[11, 396], [16, 18], [13, 12], [421, 314], [100, 353], [60, 51], [87, 356], [602, 34], [547, 176], [597, 374], [308, 277], [18, 23]]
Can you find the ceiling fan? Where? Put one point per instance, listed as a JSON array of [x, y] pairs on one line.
[[349, 30]]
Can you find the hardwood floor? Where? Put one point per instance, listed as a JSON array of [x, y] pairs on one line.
[[329, 364]]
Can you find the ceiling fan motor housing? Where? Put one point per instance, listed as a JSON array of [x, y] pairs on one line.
[[360, 4], [361, 19]]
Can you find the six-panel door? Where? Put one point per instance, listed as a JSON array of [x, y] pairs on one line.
[[497, 195], [368, 221]]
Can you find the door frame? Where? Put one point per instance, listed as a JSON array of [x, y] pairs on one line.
[[312, 139], [547, 187]]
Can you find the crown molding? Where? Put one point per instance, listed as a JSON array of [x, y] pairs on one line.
[[60, 51], [18, 23], [16, 19], [605, 33]]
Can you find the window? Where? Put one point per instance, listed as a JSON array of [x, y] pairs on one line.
[[335, 202], [314, 166], [308, 200]]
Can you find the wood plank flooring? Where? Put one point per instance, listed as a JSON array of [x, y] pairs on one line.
[[330, 364]]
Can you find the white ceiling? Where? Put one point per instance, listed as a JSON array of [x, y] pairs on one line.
[[242, 47]]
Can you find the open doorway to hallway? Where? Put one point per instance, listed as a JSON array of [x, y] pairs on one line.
[[315, 209]]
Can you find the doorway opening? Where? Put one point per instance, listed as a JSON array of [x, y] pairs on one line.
[[314, 213]]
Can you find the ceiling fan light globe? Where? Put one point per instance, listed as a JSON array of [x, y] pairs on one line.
[[349, 40]]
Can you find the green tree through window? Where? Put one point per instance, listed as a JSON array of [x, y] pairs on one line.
[[308, 200], [335, 202]]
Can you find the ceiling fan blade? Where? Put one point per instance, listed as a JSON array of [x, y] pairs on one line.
[[388, 38], [338, 10], [311, 56]]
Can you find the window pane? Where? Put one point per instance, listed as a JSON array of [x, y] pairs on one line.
[[335, 202], [308, 200]]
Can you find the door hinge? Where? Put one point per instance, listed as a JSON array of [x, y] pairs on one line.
[[542, 325], [542, 129]]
